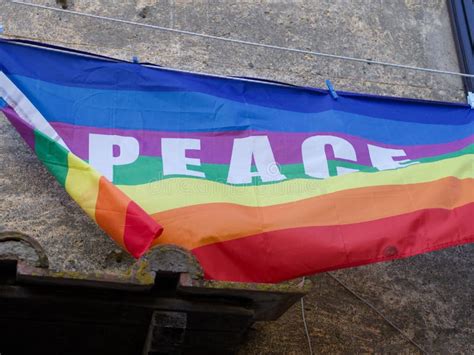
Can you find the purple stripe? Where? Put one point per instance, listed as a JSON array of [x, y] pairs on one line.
[[216, 147], [25, 130]]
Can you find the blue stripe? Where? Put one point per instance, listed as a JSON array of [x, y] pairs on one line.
[[74, 70], [191, 111]]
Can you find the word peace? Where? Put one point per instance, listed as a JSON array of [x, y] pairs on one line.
[[248, 152]]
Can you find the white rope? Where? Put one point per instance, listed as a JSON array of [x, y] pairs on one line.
[[248, 43], [368, 304], [306, 331]]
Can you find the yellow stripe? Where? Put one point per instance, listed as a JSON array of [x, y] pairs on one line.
[[82, 183], [173, 193]]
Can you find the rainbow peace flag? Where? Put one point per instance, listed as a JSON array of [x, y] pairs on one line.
[[260, 181]]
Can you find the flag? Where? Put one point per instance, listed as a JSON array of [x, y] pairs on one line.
[[261, 181]]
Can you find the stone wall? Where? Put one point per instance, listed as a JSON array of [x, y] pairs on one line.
[[429, 296]]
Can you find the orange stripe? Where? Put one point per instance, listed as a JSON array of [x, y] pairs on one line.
[[195, 226], [111, 210], [123, 220]]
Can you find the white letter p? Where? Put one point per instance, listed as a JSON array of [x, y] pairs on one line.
[[101, 152]]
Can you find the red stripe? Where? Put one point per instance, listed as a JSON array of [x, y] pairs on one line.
[[286, 254], [140, 230], [123, 220]]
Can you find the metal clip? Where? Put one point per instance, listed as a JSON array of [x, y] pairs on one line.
[[470, 99], [331, 90]]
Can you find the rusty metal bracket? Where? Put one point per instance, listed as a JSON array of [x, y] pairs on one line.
[[162, 305], [14, 252]]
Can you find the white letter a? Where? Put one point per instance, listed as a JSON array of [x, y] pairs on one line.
[[258, 148]]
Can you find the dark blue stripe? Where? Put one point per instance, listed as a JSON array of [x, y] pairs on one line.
[[75, 70]]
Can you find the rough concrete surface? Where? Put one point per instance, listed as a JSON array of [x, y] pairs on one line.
[[429, 297]]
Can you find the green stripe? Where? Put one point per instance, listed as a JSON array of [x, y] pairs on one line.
[[148, 169], [53, 156]]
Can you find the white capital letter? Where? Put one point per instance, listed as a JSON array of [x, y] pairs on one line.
[[314, 155], [101, 152], [175, 162], [258, 148], [382, 158]]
